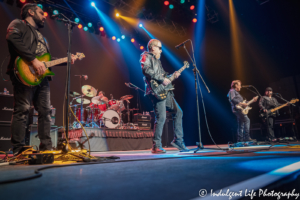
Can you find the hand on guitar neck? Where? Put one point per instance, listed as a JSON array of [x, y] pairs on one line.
[[167, 81], [40, 67], [244, 105]]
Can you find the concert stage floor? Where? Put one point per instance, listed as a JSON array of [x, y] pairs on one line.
[[174, 175]]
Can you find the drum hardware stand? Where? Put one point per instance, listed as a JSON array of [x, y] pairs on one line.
[[195, 70], [132, 86], [81, 102], [92, 124]]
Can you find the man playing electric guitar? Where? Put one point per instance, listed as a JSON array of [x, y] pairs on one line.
[[25, 40], [243, 121], [152, 70]]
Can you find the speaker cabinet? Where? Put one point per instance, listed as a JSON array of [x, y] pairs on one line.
[[5, 143]]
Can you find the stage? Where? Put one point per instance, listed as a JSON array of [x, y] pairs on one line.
[[174, 175]]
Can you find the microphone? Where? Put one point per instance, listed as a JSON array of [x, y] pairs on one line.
[[246, 86], [127, 84], [178, 46]]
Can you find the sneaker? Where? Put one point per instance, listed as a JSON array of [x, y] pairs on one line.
[[250, 140], [157, 150], [180, 146]]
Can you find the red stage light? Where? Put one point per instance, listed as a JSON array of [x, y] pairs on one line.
[[141, 47], [194, 20], [192, 7], [113, 38], [45, 14], [22, 1], [79, 26], [132, 40], [166, 3], [101, 29]]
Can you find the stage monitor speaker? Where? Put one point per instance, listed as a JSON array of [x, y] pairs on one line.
[[7, 107], [168, 133], [33, 138], [5, 143]]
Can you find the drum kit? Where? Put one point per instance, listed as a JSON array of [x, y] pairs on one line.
[[100, 112]]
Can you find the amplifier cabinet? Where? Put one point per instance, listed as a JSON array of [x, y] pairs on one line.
[[33, 138], [143, 125], [139, 117], [5, 135], [6, 107]]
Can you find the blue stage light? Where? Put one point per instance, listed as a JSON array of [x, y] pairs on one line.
[[93, 4], [171, 6], [118, 40], [77, 19], [40, 5], [85, 28], [141, 25], [123, 36], [90, 24], [182, 1], [55, 12]]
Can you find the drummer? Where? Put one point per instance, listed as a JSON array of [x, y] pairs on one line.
[[102, 107]]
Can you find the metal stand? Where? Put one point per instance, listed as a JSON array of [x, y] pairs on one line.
[[195, 70]]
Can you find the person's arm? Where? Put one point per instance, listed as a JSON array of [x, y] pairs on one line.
[[14, 38], [233, 98], [148, 71]]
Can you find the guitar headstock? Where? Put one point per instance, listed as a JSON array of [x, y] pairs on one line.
[[186, 64], [80, 55], [294, 100]]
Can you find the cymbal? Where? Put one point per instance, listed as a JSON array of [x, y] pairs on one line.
[[99, 101], [85, 101], [89, 91], [126, 97], [74, 94]]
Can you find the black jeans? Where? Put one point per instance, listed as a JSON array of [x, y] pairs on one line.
[[160, 108], [271, 127], [243, 127], [23, 96]]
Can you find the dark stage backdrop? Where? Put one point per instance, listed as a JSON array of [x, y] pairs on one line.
[[269, 47]]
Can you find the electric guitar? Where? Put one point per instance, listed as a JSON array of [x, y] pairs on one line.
[[160, 91], [26, 73], [245, 110], [271, 112]]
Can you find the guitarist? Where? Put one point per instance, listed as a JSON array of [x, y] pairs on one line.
[[152, 70], [243, 120], [25, 40], [265, 103]]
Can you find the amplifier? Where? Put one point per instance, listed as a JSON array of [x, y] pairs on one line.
[[5, 143], [33, 138], [143, 125], [6, 107], [138, 117]]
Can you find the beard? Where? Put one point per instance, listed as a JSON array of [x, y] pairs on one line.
[[157, 56], [40, 23]]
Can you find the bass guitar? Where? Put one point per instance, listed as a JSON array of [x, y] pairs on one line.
[[160, 91], [26, 73], [272, 112], [245, 110]]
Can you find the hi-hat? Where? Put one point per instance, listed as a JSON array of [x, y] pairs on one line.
[[99, 101], [84, 101], [74, 94], [89, 91], [126, 97]]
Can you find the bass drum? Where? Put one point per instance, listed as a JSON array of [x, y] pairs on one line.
[[111, 119]]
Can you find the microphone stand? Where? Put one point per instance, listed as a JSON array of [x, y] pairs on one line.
[[195, 70], [137, 91], [70, 25]]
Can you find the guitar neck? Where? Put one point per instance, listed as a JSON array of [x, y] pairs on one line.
[[274, 109], [56, 62], [180, 70], [251, 101]]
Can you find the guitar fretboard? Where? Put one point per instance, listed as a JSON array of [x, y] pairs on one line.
[[180, 70], [273, 110], [56, 62]]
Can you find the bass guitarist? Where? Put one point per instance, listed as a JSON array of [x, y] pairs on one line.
[[266, 103], [25, 40], [152, 70], [243, 120]]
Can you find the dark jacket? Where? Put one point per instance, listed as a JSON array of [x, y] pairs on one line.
[[266, 103], [234, 98], [152, 69], [22, 41]]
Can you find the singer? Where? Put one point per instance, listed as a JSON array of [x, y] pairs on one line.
[[243, 120], [25, 40], [152, 70]]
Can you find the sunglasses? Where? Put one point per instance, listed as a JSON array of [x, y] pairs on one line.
[[158, 47]]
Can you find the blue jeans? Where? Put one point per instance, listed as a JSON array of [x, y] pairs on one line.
[[160, 108], [23, 96], [243, 127]]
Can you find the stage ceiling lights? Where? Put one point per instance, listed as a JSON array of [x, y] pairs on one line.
[[40, 5], [192, 7], [77, 20], [118, 40], [55, 12], [113, 38], [194, 20], [141, 47], [85, 28], [93, 4], [182, 1], [23, 1], [140, 25], [117, 15], [171, 6], [166, 3], [101, 29], [90, 24], [45, 14], [132, 40], [123, 37], [79, 26]]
